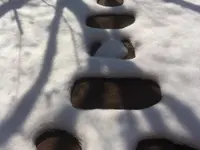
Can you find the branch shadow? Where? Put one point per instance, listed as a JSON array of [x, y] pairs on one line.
[[184, 114], [185, 4], [185, 117], [18, 21], [27, 102], [11, 4]]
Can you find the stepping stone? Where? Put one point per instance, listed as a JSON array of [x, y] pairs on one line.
[[112, 49], [110, 3], [115, 93], [161, 144], [56, 139], [110, 21]]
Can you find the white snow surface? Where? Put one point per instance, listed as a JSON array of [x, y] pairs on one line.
[[43, 50], [112, 49]]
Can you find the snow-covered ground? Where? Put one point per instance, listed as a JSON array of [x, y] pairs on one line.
[[43, 50]]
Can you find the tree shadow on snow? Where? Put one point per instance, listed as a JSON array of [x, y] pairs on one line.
[[28, 100], [11, 4], [185, 4], [126, 119], [182, 113], [158, 122]]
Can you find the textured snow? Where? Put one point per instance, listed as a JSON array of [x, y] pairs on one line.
[[43, 50], [112, 49]]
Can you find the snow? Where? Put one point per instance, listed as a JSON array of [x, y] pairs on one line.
[[44, 50], [112, 49]]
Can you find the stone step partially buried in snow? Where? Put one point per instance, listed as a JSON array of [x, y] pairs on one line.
[[110, 3], [112, 49]]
